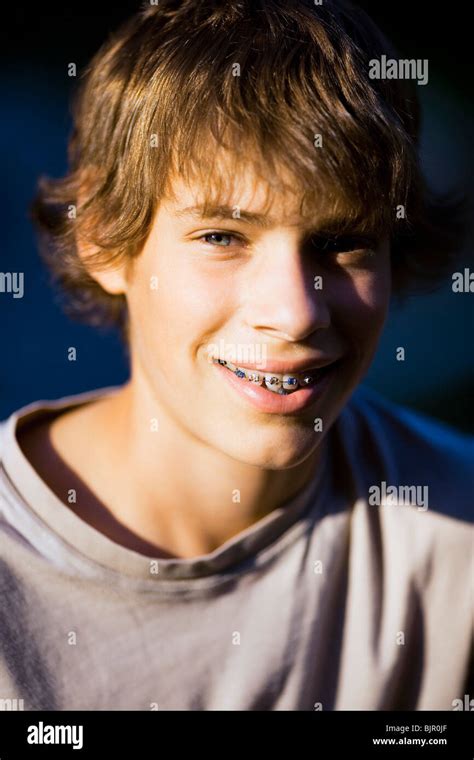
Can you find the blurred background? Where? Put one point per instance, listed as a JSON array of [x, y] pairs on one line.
[[41, 39]]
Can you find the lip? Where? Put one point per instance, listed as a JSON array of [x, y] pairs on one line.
[[273, 403]]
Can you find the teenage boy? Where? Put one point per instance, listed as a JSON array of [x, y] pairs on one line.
[[236, 527]]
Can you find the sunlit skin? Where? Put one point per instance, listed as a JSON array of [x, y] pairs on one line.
[[202, 281]]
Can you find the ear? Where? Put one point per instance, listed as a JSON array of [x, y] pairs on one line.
[[109, 271], [111, 275]]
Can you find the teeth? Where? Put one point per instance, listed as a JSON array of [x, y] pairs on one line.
[[254, 377], [290, 383], [273, 383], [282, 384]]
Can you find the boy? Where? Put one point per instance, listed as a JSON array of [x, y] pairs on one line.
[[235, 528]]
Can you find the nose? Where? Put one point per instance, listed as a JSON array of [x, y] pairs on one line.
[[281, 296]]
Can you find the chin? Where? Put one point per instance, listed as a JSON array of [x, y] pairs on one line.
[[282, 452]]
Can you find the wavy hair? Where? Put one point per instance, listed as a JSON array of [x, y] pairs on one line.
[[259, 79]]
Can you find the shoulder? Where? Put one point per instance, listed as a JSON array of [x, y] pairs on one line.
[[22, 434], [413, 510], [391, 445], [42, 409], [3, 429]]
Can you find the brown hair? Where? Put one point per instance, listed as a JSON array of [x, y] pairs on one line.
[[260, 78]]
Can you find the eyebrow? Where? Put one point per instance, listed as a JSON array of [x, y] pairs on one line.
[[226, 212], [327, 225]]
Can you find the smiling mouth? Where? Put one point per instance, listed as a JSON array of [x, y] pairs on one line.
[[283, 385]]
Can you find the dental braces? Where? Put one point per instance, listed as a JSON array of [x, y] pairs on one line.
[[288, 383]]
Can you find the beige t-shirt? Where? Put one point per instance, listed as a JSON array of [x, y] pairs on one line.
[[332, 601]]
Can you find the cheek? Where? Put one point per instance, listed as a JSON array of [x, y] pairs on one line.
[[174, 303], [360, 306]]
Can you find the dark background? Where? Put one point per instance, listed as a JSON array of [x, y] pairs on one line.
[[41, 39]]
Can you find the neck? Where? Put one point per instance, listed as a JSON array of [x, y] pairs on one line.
[[168, 487]]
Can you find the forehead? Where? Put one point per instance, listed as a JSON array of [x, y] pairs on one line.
[[263, 197]]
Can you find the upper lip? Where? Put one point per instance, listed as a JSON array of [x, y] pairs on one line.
[[281, 367]]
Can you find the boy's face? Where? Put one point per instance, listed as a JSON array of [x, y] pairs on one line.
[[246, 292]]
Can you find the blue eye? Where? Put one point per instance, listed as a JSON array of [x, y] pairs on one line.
[[219, 239]]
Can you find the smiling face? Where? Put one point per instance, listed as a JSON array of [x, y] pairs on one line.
[[260, 287]]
